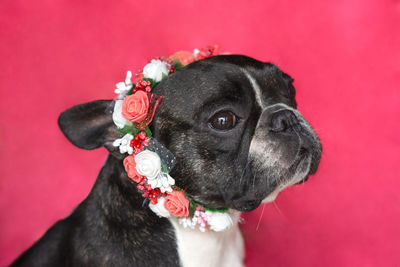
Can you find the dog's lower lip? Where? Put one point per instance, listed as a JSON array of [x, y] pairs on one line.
[[303, 180], [247, 205], [301, 156]]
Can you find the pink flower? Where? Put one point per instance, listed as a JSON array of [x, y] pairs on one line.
[[142, 135], [177, 203], [184, 57], [146, 141], [130, 167], [135, 107]]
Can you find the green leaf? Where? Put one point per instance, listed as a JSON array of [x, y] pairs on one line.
[[130, 91], [192, 208], [177, 188], [128, 129], [149, 147], [149, 80], [178, 65], [153, 83], [216, 210], [148, 132], [164, 167]]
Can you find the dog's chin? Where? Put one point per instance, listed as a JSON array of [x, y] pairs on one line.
[[300, 175]]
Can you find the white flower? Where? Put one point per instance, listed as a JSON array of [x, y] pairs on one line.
[[124, 144], [159, 208], [220, 221], [148, 164], [155, 70], [124, 87], [162, 181], [195, 53], [128, 77], [118, 119], [186, 222]]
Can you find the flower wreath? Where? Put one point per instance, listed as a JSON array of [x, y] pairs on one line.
[[148, 163]]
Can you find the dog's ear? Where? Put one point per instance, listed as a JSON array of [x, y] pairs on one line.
[[288, 84], [90, 125]]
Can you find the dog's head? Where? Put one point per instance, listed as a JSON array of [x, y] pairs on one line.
[[231, 121]]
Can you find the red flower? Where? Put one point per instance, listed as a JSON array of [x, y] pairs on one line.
[[130, 167], [184, 57], [177, 203], [135, 107], [208, 51]]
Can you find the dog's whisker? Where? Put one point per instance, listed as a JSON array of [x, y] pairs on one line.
[[261, 215], [243, 172], [254, 179], [277, 208], [300, 145]]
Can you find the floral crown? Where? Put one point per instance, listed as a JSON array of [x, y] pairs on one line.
[[148, 162]]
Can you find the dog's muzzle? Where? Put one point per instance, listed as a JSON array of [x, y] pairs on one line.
[[284, 151]]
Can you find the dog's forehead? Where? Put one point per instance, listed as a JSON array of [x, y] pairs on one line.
[[221, 79]]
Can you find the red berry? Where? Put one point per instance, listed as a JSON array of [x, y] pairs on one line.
[[134, 143]]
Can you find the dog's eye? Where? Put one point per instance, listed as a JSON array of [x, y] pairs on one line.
[[223, 121]]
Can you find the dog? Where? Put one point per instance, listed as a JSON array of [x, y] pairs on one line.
[[232, 124]]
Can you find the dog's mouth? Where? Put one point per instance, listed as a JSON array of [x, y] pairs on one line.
[[299, 170], [301, 173]]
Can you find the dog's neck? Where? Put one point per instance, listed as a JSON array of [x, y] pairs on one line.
[[117, 198], [112, 216]]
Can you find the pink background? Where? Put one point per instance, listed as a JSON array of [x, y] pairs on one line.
[[344, 56]]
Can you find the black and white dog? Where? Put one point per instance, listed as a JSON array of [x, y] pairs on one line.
[[232, 124]]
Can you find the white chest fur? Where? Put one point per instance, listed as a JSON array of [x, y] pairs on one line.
[[210, 248]]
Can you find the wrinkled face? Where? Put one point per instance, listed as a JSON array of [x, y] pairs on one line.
[[232, 123]]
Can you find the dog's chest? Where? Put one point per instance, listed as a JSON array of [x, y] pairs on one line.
[[210, 248]]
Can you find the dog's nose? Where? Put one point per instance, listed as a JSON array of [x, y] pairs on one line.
[[282, 120]]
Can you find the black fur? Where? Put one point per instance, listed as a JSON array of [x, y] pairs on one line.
[[112, 228]]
